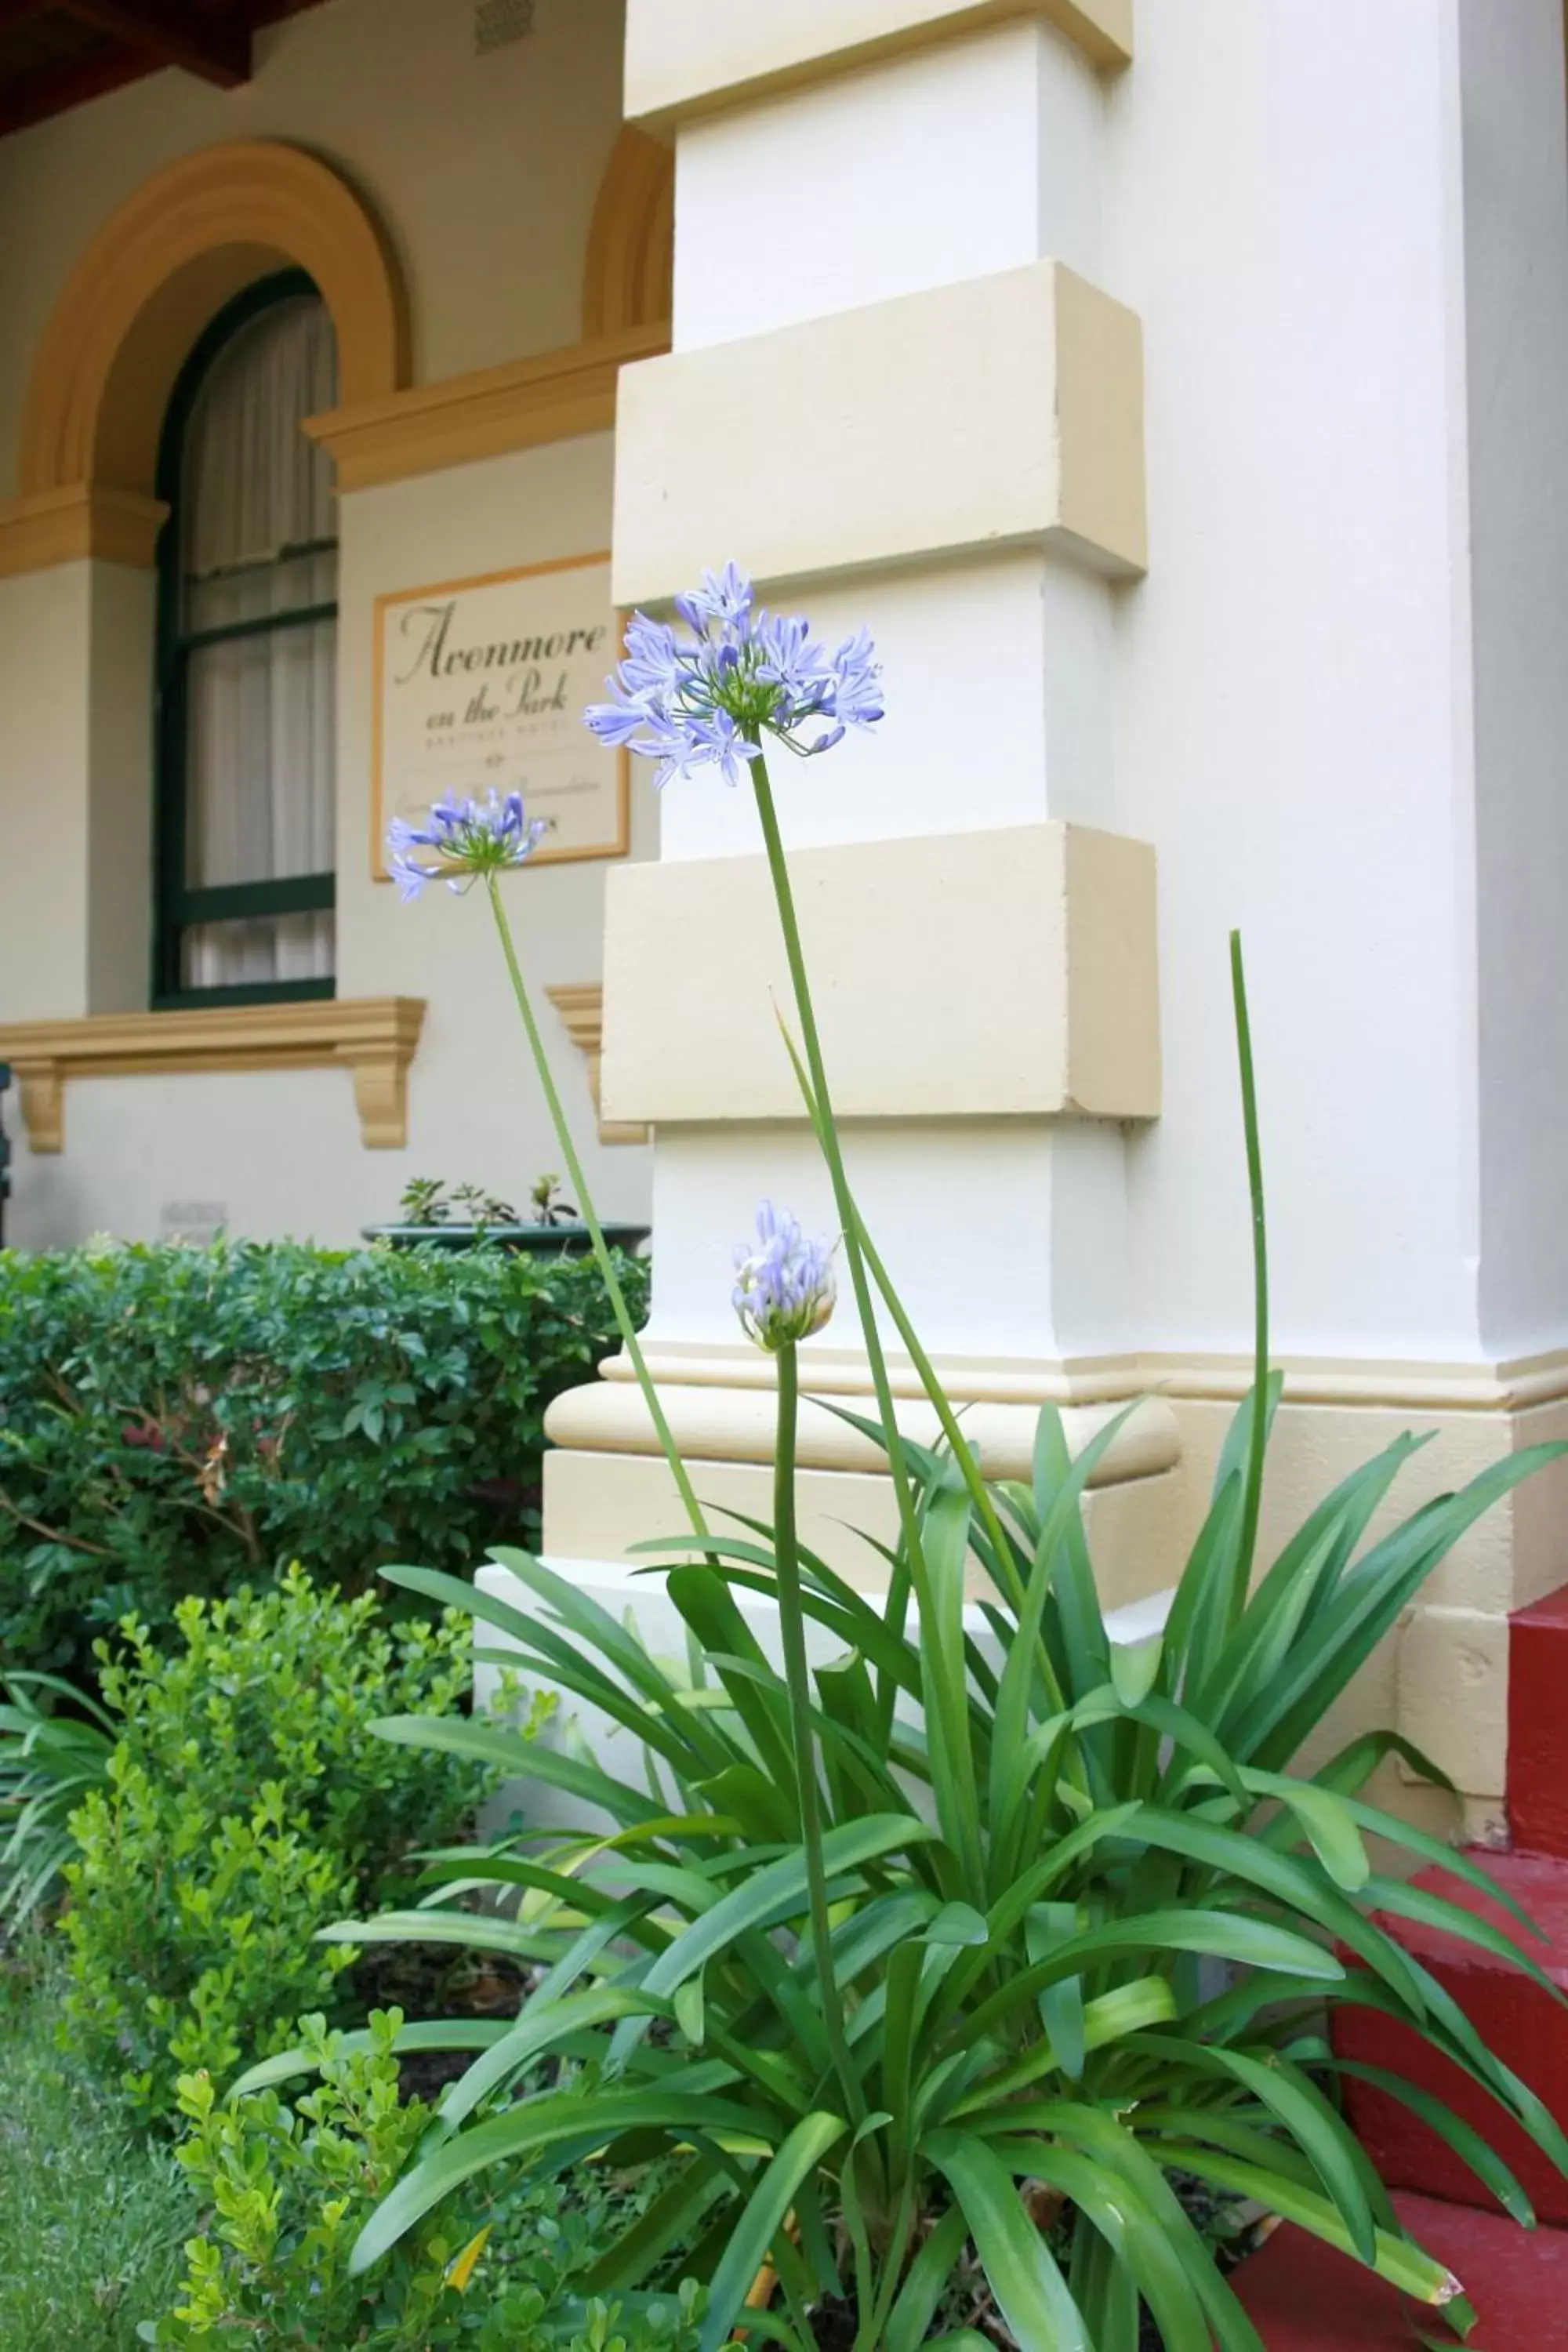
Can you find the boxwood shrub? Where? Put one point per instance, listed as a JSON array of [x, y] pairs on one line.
[[178, 1421]]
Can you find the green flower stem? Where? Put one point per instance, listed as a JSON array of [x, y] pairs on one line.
[[1253, 1498], [585, 1201], [848, 1223], [797, 1679]]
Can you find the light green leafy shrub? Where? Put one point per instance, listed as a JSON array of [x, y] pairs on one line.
[[243, 1804], [288, 2190]]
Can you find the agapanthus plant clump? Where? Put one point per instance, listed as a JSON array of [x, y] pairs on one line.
[[902, 1945]]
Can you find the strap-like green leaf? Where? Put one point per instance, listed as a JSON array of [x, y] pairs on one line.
[[1462, 2138], [762, 2221], [530, 1759], [1030, 2291], [442, 2033], [777, 1893], [1399, 2259], [534, 2125]]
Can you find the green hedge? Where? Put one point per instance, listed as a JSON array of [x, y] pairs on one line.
[[178, 1421]]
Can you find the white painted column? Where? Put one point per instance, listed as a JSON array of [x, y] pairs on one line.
[[899, 394]]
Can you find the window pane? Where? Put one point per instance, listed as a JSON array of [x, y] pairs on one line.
[[256, 540], [255, 592], [261, 949], [261, 714], [255, 484]]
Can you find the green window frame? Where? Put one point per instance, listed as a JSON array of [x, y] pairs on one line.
[[177, 906]]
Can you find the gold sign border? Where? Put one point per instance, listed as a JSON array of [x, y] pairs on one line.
[[379, 870]]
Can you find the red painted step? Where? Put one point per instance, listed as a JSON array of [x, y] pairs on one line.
[[1304, 2297], [1516, 2019], [1538, 1726]]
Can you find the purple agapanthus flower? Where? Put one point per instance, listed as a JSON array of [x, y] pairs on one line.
[[784, 1288], [467, 838], [707, 698]]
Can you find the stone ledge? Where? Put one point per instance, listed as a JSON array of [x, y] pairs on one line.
[[375, 1037], [692, 56]]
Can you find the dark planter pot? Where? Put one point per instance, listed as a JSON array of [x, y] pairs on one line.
[[536, 1241]]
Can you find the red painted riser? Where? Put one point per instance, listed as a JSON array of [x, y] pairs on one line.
[[1519, 2022], [1538, 1726], [1304, 2297]]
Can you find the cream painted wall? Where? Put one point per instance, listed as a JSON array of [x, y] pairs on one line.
[[483, 169], [280, 1151], [46, 641], [477, 1102], [1291, 691]]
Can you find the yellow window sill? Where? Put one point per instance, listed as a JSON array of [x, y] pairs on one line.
[[373, 1036]]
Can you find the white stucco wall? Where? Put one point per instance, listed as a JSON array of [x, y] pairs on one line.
[[1283, 210], [1515, 145]]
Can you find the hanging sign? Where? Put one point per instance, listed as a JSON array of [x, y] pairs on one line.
[[480, 684]]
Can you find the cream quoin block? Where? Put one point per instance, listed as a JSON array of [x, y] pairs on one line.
[[1003, 410], [687, 56], [1004, 973]]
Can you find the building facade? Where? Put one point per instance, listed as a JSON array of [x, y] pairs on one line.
[[1176, 394]]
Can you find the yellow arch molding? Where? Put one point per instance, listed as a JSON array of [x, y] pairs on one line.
[[550, 395], [189, 238], [628, 274]]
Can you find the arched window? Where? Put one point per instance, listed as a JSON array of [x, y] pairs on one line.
[[245, 880]]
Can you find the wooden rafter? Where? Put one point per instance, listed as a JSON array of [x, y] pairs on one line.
[[65, 85], [215, 47]]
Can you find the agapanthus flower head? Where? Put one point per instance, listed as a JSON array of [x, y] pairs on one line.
[[784, 1288], [708, 697], [464, 838]]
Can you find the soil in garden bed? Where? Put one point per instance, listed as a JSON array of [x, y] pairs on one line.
[[425, 1982], [833, 2330]]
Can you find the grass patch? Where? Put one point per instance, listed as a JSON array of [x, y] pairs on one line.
[[92, 2218]]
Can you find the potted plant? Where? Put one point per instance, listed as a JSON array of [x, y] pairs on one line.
[[465, 1216]]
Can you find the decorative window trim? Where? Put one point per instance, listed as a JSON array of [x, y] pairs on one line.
[[161, 267], [628, 272], [375, 1037], [582, 1011]]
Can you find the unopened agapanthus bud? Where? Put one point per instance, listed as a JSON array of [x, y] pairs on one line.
[[784, 1288]]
